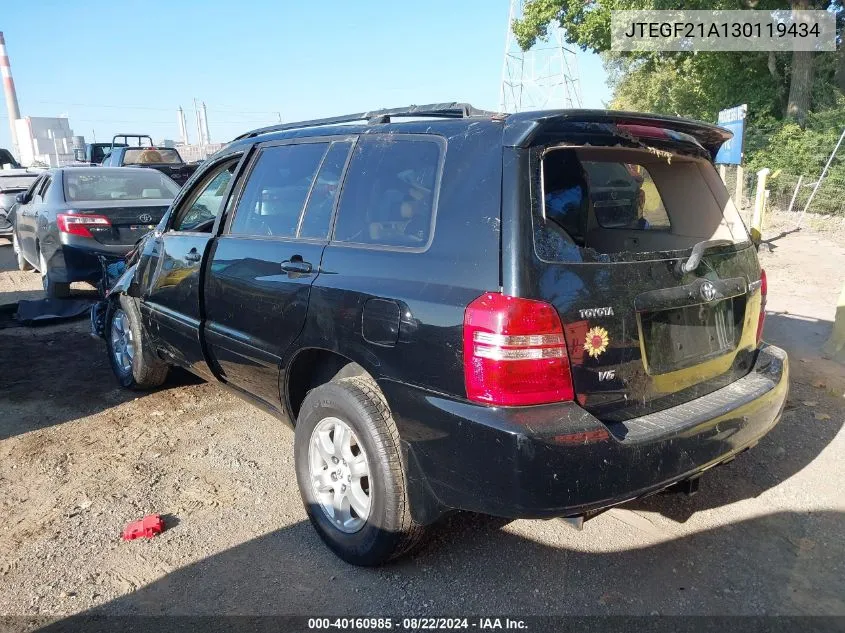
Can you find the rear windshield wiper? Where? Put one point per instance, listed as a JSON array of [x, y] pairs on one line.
[[683, 267]]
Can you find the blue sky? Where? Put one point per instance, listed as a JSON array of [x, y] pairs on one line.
[[126, 66]]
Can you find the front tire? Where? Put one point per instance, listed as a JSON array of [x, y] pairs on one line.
[[133, 362], [16, 246], [52, 288], [351, 474]]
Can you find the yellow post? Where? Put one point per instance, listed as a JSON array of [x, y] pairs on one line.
[[835, 346], [759, 205]]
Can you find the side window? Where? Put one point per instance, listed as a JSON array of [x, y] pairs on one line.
[[203, 205], [276, 190], [35, 186], [318, 211], [389, 192]]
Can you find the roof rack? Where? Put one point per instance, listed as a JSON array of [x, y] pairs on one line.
[[452, 110]]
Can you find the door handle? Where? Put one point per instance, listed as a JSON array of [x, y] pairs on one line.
[[192, 256], [296, 265]]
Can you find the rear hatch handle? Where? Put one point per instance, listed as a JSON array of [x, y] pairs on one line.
[[683, 267]]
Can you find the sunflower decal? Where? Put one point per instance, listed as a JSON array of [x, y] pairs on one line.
[[596, 342]]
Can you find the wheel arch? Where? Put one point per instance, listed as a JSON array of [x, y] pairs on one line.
[[312, 367]]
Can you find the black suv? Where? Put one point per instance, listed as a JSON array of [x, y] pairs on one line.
[[452, 318]]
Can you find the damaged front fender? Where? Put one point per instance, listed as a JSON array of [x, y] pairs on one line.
[[123, 282], [99, 311]]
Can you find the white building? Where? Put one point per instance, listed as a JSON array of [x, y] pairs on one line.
[[44, 141]]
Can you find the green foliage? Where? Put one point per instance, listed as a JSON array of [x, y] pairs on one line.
[[790, 151], [698, 85], [695, 85], [784, 145]]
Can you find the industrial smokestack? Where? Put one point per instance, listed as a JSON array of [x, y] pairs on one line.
[[9, 90], [199, 123], [183, 127], [206, 135]]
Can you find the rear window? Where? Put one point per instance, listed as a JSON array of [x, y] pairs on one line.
[[609, 201], [151, 157], [129, 184]]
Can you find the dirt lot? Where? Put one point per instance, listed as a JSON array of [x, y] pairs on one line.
[[79, 458]]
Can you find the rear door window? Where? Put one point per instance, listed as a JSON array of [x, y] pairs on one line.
[[390, 192], [316, 220], [276, 190]]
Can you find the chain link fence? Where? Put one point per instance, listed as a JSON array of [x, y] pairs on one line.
[[788, 192], [792, 192]]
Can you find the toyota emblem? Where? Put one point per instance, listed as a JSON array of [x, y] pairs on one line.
[[145, 218], [708, 291]]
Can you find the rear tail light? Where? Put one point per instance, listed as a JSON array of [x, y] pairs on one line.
[[514, 352], [78, 223], [764, 289]]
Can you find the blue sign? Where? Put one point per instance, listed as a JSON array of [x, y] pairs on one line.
[[734, 120]]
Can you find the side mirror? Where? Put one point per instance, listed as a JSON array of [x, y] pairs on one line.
[[21, 198]]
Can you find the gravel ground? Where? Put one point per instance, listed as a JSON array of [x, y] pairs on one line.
[[79, 458]]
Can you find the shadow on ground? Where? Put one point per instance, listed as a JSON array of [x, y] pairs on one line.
[[54, 375], [783, 563]]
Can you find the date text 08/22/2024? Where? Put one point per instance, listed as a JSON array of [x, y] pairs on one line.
[[417, 624]]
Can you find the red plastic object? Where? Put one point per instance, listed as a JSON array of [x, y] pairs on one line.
[[147, 527]]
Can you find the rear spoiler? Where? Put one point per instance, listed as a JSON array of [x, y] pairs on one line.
[[527, 128]]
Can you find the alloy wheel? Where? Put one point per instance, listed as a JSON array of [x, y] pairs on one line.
[[340, 474], [122, 343]]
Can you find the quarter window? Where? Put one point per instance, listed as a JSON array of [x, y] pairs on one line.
[[276, 190], [389, 192]]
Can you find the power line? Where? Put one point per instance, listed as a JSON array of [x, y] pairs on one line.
[[217, 108]]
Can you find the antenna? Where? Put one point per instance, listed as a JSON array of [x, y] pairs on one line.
[[542, 78]]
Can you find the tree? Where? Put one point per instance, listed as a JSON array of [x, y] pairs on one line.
[[776, 85]]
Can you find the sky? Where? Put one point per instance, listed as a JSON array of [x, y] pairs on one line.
[[126, 66]]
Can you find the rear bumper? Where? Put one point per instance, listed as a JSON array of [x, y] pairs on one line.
[[558, 460], [77, 260]]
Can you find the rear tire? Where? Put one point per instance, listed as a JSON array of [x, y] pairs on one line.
[[16, 246], [388, 531], [53, 289], [134, 363]]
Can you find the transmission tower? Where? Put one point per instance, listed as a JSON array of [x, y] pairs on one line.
[[544, 77]]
